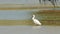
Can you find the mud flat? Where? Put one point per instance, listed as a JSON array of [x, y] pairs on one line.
[[23, 6], [50, 17]]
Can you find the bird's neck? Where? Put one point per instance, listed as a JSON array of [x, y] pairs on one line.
[[33, 18]]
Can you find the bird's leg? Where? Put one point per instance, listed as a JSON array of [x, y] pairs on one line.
[[37, 25]]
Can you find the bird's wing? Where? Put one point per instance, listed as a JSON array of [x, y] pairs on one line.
[[36, 21]]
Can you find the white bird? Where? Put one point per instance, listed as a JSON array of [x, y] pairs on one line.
[[35, 20]]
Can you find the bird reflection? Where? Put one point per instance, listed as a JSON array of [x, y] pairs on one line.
[[37, 27]]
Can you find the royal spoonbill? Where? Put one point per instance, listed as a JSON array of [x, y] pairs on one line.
[[35, 20]]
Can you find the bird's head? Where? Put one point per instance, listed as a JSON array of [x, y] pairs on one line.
[[33, 15]]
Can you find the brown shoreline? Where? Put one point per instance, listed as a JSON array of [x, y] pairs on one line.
[[24, 6]]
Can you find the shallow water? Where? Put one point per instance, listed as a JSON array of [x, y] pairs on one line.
[[29, 29]]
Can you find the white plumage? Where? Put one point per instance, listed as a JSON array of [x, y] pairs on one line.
[[35, 20]]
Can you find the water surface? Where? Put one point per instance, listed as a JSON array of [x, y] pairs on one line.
[[29, 29]]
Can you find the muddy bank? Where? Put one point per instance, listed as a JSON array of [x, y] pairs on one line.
[[50, 17]]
